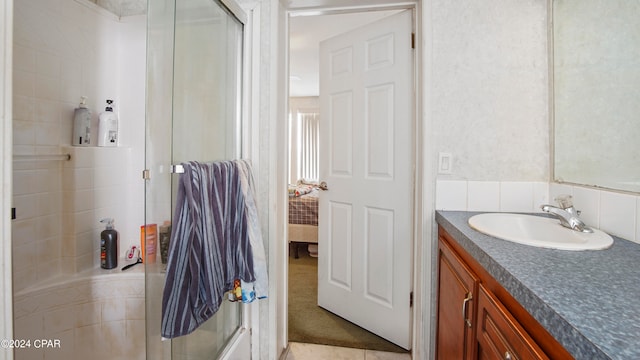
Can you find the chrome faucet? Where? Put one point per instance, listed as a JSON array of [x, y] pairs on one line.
[[567, 214]]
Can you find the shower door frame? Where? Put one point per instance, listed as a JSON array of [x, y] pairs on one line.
[[238, 345], [243, 343]]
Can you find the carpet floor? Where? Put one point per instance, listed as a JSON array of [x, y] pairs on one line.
[[309, 323]]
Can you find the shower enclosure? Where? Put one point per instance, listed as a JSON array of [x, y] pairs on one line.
[[194, 112]]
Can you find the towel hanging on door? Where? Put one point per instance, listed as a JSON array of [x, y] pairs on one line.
[[261, 285], [211, 244]]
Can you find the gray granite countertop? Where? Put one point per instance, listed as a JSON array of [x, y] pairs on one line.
[[588, 300]]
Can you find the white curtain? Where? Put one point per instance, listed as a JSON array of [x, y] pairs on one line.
[[307, 139]]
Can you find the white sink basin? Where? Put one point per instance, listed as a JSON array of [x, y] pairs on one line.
[[538, 231]]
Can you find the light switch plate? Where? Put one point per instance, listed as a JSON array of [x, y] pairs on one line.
[[445, 163]]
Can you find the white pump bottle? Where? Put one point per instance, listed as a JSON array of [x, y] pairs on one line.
[[81, 124], [108, 126]]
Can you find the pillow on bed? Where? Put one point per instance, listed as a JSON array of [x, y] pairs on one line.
[[303, 190]]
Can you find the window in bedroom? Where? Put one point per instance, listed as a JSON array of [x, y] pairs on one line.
[[304, 145]]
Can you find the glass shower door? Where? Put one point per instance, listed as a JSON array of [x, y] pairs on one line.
[[194, 99]]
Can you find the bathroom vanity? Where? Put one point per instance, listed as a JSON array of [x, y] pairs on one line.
[[502, 300]]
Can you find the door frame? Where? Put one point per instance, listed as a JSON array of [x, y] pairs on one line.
[[421, 273], [6, 151]]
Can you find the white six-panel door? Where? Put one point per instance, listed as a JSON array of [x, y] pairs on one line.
[[366, 158]]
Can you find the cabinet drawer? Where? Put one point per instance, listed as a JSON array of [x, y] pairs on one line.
[[499, 334]]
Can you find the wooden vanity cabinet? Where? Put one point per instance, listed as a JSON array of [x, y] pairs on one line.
[[499, 334], [478, 318], [456, 310]]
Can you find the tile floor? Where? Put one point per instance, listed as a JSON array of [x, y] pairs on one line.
[[300, 351]]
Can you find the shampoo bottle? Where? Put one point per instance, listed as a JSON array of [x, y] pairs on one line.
[[164, 238], [108, 127], [81, 124], [108, 245], [149, 242]]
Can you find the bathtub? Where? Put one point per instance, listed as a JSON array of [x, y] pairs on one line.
[[97, 314]]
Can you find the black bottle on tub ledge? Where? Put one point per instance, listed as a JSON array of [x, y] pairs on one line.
[[108, 245]]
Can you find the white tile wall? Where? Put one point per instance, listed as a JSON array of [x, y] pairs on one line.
[[97, 186], [617, 214], [483, 196], [612, 212], [451, 195], [94, 316], [64, 50], [36, 231], [514, 196]]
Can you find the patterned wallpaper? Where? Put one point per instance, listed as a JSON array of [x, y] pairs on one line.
[[490, 88]]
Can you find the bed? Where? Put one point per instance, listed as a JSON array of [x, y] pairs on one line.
[[303, 217]]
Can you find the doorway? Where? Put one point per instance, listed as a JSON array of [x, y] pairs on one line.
[[300, 86]]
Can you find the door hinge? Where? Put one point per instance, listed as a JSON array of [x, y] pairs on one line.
[[13, 213], [413, 40], [146, 174], [411, 299]]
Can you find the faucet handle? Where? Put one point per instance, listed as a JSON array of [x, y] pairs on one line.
[[564, 201]]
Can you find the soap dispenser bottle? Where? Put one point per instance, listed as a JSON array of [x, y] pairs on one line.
[[81, 124], [108, 126], [108, 245]]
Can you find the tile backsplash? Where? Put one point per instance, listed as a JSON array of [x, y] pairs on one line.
[[612, 212], [514, 196]]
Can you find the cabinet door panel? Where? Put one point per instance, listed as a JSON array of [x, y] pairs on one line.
[[499, 335], [457, 290]]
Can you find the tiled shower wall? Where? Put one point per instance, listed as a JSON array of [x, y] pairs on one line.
[[93, 317], [95, 186], [36, 231], [64, 50], [612, 212]]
